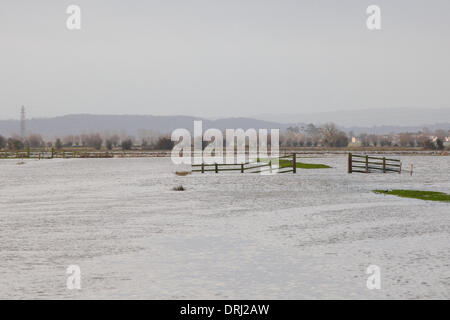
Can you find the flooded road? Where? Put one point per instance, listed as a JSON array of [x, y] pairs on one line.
[[228, 236]]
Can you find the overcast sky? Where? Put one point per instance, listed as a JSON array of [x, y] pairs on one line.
[[214, 58]]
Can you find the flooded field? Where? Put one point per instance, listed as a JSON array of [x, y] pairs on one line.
[[228, 236]]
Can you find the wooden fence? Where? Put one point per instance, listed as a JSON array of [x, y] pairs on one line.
[[252, 167], [367, 164], [51, 154]]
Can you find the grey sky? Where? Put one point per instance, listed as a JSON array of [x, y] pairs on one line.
[[222, 58]]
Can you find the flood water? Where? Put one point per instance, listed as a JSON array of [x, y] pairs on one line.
[[228, 236]]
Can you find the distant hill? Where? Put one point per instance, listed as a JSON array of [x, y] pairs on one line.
[[397, 129], [394, 117], [129, 124], [132, 124]]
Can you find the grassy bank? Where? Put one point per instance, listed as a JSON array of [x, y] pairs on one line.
[[287, 163], [417, 194]]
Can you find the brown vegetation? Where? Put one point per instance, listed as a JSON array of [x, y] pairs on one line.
[[178, 188], [183, 173]]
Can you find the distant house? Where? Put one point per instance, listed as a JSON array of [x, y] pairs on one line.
[[435, 138], [355, 141], [447, 141]]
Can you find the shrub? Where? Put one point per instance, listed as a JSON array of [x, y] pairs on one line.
[[428, 144], [92, 140], [58, 144], [332, 136], [35, 141], [439, 144], [2, 142], [164, 143], [127, 144], [15, 144], [109, 144]]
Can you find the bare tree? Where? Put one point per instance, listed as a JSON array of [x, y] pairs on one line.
[[386, 141], [364, 140], [2, 142], [58, 144], [35, 141], [439, 144], [15, 144], [332, 136], [127, 144], [68, 141], [164, 143], [312, 134], [115, 140], [108, 144], [93, 140], [441, 134], [373, 139], [405, 139], [76, 140]]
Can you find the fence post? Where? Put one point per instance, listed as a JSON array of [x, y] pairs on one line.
[[350, 165], [294, 163], [242, 168], [412, 168], [270, 165], [203, 168], [217, 168], [53, 150], [367, 164], [400, 171], [384, 164]]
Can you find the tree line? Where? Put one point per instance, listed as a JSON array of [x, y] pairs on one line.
[[327, 135], [94, 141]]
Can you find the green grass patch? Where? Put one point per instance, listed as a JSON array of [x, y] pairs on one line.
[[286, 163], [417, 194]]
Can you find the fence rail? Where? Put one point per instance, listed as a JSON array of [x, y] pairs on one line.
[[372, 164], [250, 167], [54, 154]]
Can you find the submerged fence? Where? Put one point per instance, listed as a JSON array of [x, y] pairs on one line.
[[284, 164], [367, 164]]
